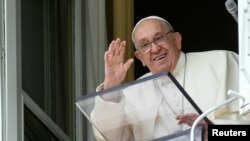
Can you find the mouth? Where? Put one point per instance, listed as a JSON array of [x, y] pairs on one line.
[[160, 57]]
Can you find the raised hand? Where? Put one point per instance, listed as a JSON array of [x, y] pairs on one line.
[[115, 68]]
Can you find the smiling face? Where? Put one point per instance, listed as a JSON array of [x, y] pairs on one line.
[[159, 57]]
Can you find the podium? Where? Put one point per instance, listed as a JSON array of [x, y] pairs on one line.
[[141, 110]]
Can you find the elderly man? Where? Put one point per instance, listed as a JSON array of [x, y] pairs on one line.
[[206, 76]]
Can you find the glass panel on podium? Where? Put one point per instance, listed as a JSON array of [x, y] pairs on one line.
[[144, 109]]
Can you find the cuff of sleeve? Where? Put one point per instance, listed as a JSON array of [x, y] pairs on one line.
[[99, 87]]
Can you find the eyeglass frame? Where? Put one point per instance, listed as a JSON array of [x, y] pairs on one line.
[[155, 42]]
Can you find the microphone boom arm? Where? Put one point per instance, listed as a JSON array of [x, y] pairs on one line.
[[230, 92]]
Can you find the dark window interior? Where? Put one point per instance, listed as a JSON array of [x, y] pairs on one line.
[[204, 25]]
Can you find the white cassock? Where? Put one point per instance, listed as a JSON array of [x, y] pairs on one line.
[[206, 77]]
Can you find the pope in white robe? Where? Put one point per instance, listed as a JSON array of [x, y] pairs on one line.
[[205, 76]]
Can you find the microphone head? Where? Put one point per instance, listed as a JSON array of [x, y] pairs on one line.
[[231, 6]]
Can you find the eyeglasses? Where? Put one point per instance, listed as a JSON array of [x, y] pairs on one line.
[[159, 39]]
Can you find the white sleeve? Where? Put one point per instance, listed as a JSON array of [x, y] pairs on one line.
[[230, 115], [109, 119]]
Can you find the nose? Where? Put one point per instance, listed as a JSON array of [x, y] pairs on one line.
[[155, 47]]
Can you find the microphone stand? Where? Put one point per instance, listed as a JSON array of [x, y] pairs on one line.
[[230, 92]]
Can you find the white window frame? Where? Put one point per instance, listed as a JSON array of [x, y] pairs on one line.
[[11, 98]]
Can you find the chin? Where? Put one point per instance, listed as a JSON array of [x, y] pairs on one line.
[[161, 68], [158, 71]]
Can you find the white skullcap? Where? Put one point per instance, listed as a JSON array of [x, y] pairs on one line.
[[151, 18]]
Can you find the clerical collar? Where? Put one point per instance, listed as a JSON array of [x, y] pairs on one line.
[[180, 64]]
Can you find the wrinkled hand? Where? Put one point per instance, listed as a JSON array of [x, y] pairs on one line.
[[115, 68], [189, 119]]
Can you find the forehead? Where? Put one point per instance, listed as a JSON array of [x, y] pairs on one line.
[[148, 28]]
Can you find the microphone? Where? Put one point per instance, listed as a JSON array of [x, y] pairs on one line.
[[232, 8]]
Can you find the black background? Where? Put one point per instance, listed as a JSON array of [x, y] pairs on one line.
[[203, 24]]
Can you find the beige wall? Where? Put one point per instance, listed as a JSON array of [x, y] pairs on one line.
[[119, 25]]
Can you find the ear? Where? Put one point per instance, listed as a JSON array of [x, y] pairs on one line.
[[178, 39], [138, 55]]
